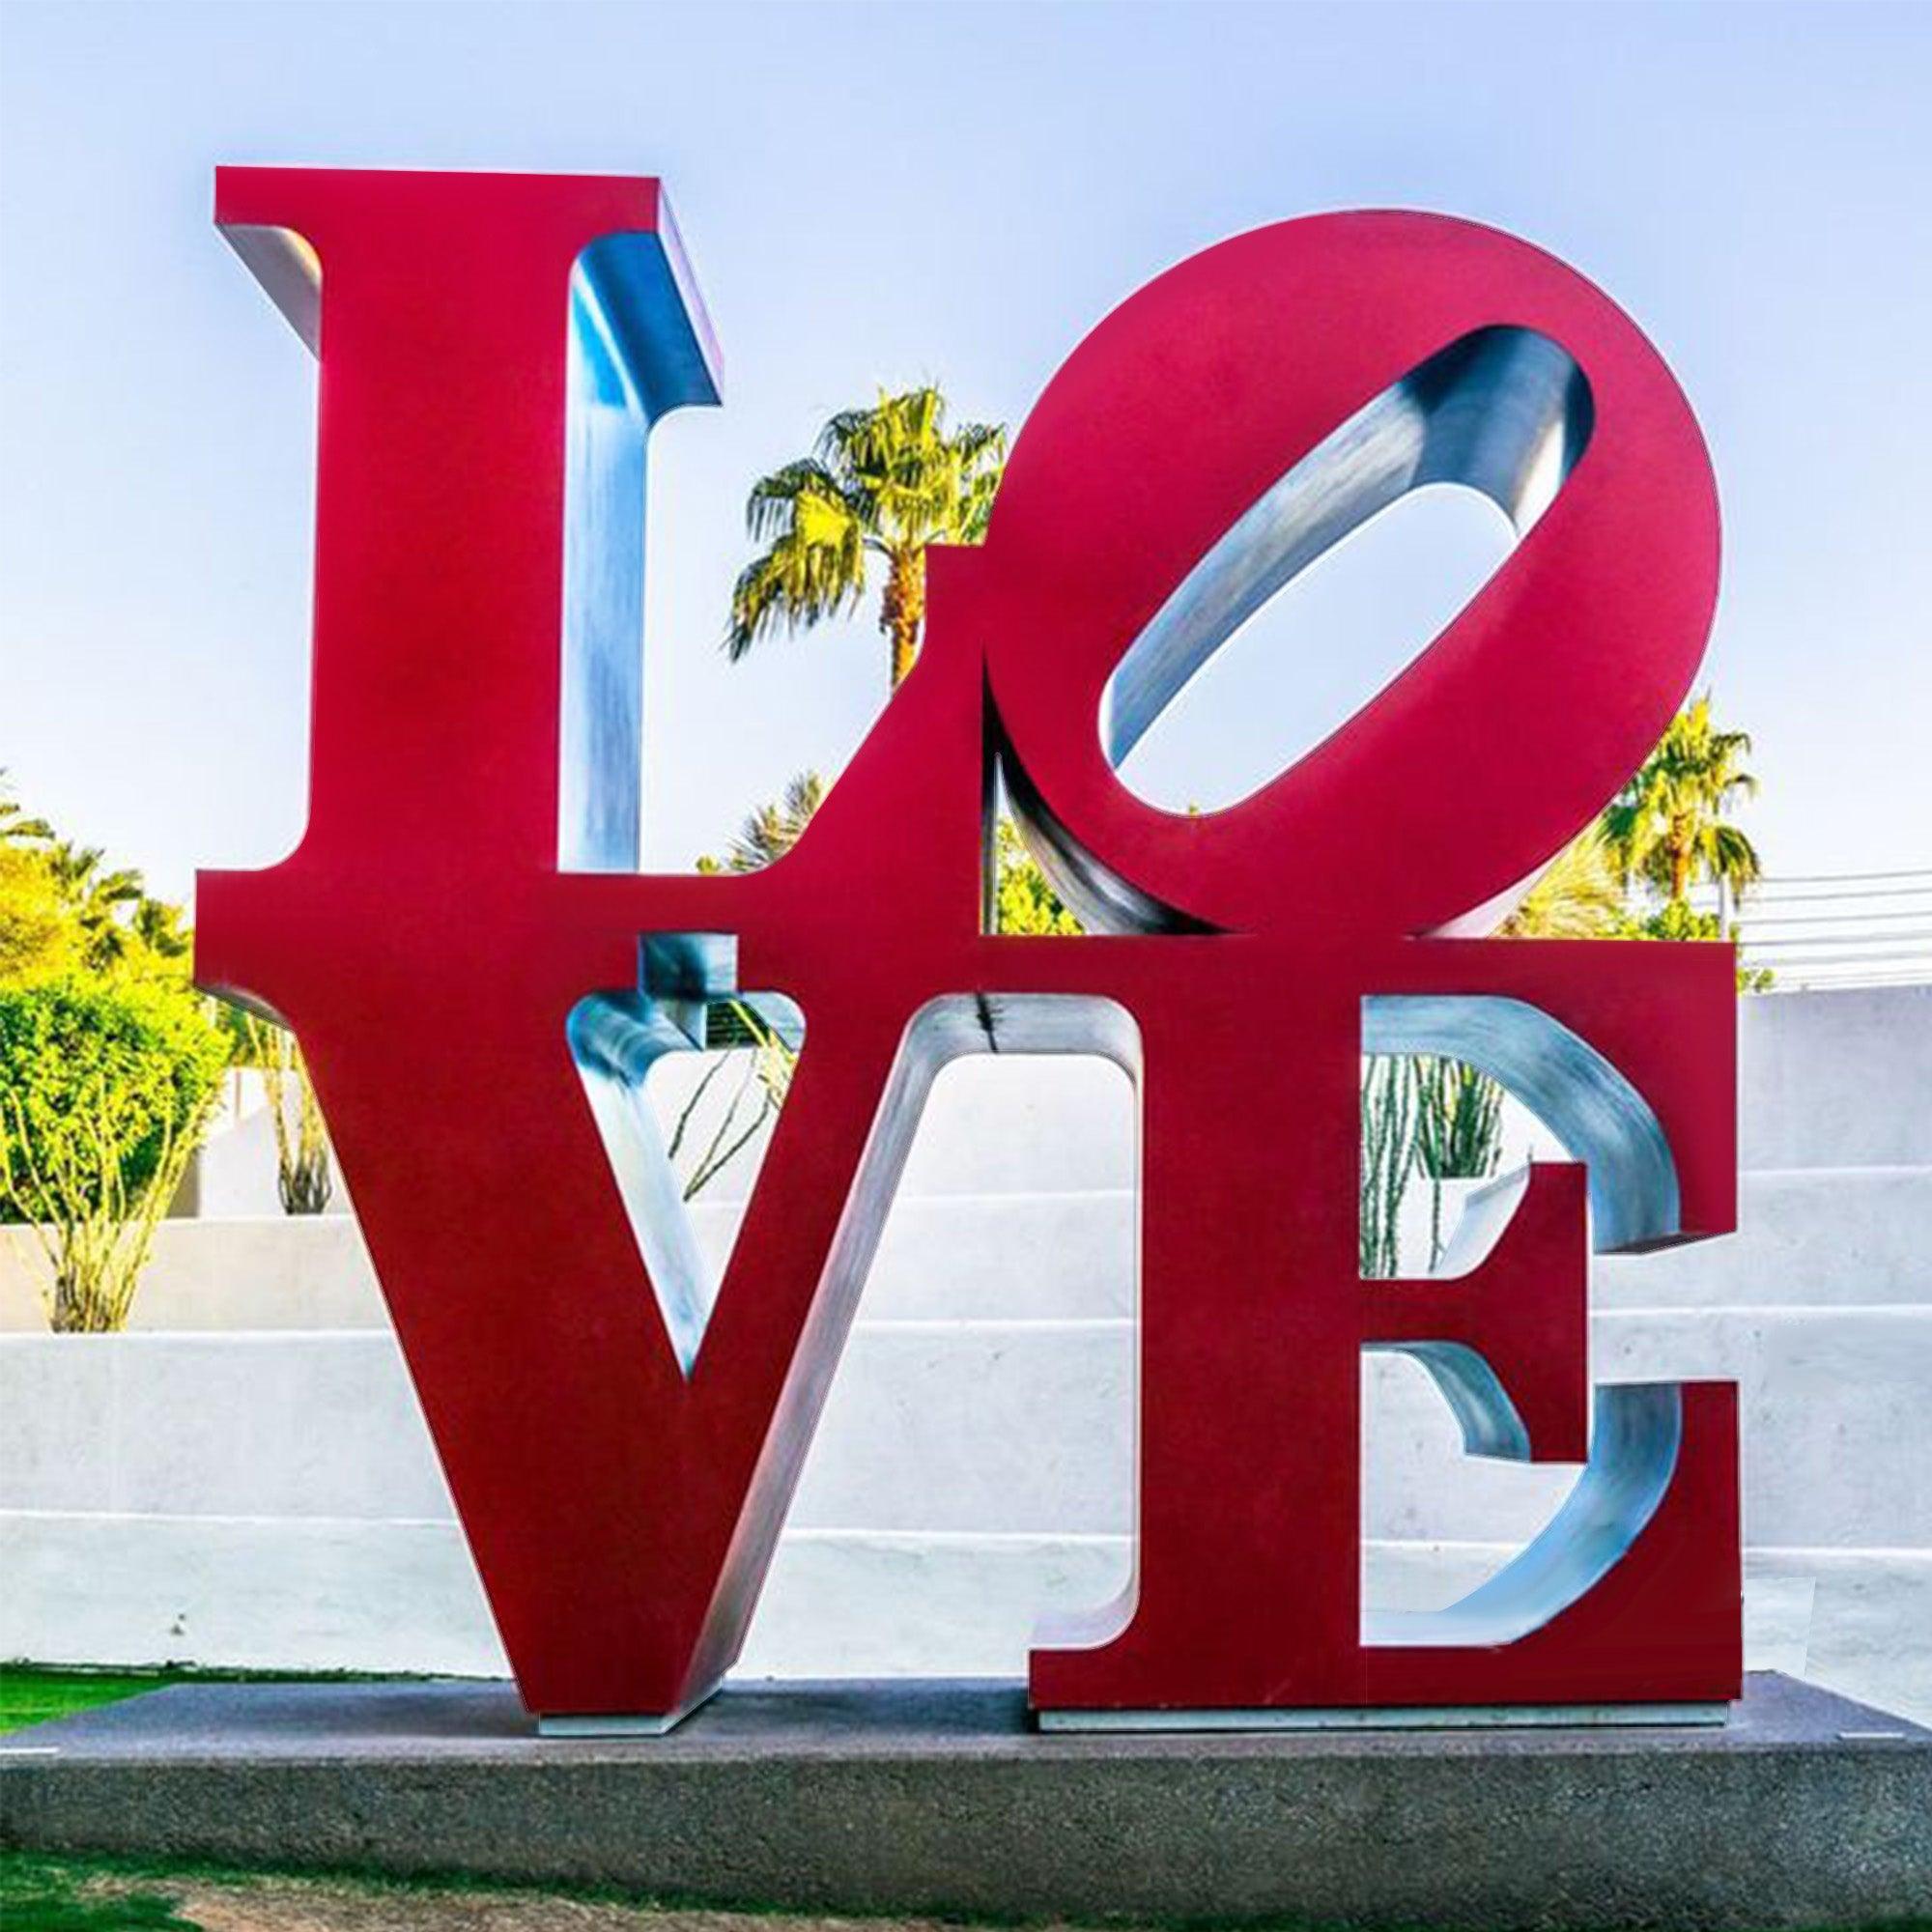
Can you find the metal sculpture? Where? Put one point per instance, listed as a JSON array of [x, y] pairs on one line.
[[481, 978]]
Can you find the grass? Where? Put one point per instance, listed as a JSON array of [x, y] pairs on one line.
[[40, 1892], [32, 1695], [39, 1895], [44, 1892]]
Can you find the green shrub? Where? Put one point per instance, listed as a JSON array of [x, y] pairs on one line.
[[1028, 906], [105, 1090]]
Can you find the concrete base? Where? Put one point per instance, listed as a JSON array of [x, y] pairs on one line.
[[1803, 1809]]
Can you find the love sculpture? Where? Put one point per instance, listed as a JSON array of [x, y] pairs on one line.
[[481, 978]]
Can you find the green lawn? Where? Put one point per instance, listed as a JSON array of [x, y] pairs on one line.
[[53, 1896], [40, 1894], [30, 1695]]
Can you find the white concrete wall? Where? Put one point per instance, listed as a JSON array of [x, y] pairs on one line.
[[233, 1172], [268, 1496], [1836, 1080]]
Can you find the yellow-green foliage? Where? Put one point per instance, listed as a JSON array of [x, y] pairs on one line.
[[1667, 826], [882, 485], [109, 1066], [134, 1061], [63, 912], [39, 938], [1028, 905], [106, 1090]]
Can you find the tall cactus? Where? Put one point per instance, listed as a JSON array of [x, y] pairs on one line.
[[1458, 1132], [1389, 1091]]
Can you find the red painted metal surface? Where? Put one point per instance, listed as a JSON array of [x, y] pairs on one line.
[[427, 949]]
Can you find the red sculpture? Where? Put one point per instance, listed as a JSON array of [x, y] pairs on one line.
[[464, 952]]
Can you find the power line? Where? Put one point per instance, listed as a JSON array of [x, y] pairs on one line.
[[1923, 960], [1840, 878], [1847, 982], [1831, 917], [1839, 939]]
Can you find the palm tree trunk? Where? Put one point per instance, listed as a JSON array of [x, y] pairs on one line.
[[902, 609]]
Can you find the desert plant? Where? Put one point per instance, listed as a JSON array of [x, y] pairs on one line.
[[762, 1059], [1459, 1131], [93, 1229], [105, 1092], [304, 1177], [1388, 1160], [763, 1072]]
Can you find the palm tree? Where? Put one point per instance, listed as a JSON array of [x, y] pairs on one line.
[[1667, 824], [158, 925], [881, 483], [773, 830], [14, 826], [96, 901]]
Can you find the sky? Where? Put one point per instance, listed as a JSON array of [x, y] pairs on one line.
[[893, 195]]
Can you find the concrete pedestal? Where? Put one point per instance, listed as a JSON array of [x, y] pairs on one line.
[[1804, 1810]]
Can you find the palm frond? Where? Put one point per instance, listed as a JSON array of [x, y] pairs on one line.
[[811, 569], [1578, 895], [770, 832], [16, 827], [1666, 825], [774, 500], [884, 480]]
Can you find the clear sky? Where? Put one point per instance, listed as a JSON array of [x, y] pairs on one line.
[[888, 194]]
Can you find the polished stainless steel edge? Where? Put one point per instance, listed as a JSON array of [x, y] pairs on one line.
[[1390, 1718]]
